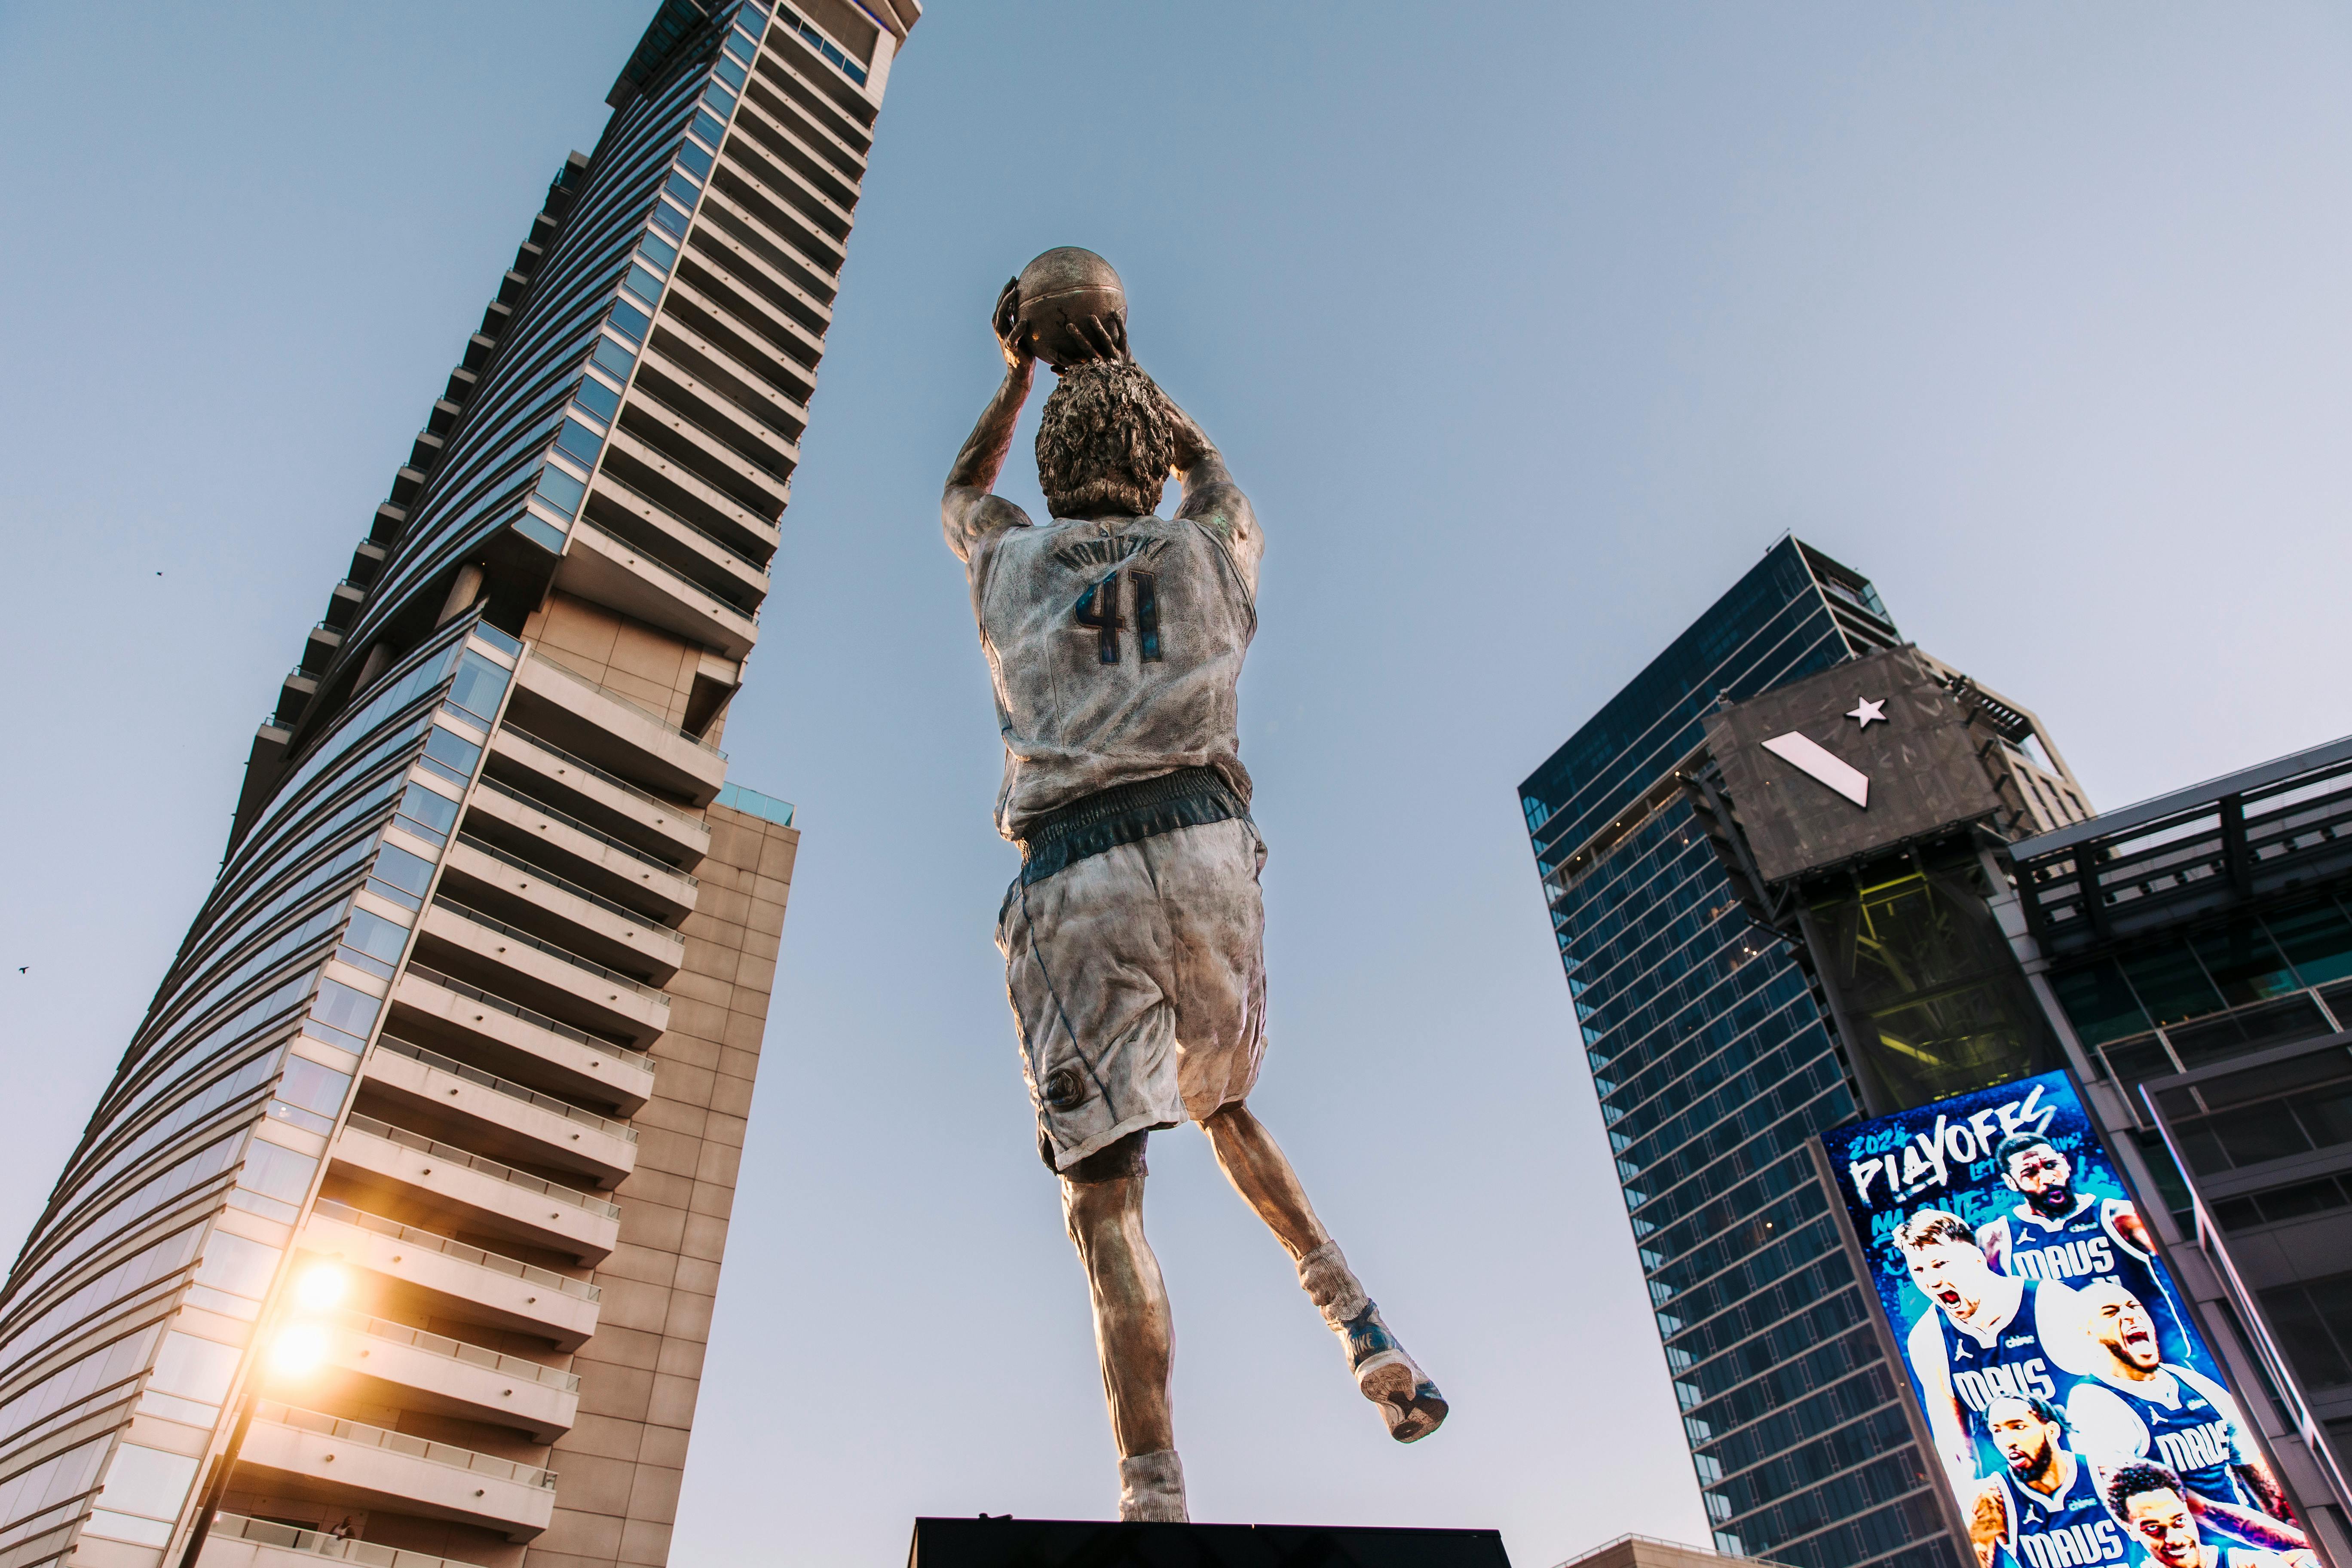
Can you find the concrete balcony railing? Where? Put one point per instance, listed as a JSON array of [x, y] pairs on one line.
[[826, 163], [454, 1280], [538, 974], [652, 473], [776, 218], [678, 342], [381, 1362], [612, 732], [307, 1453], [684, 401], [520, 1042], [550, 774], [748, 299], [780, 179], [601, 862], [236, 1542], [780, 85], [499, 881], [721, 567], [487, 1196], [499, 1116], [720, 310], [729, 449], [611, 571]]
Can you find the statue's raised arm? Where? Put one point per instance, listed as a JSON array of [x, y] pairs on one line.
[[969, 510], [1211, 498]]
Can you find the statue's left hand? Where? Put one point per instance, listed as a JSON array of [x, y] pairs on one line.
[[1016, 341]]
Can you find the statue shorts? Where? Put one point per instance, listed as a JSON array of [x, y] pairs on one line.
[[1135, 961]]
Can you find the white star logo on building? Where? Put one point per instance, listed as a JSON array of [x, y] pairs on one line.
[[1866, 712]]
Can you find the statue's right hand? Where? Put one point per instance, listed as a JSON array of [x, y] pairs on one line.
[[1016, 341]]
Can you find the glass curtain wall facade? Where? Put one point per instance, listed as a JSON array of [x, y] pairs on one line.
[[1715, 1062], [395, 1233]]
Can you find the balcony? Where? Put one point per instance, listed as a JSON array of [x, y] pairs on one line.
[[484, 1194], [823, 164], [610, 571], [755, 198], [792, 106], [652, 473], [719, 312], [520, 1042], [706, 408], [787, 179], [612, 732], [323, 641], [547, 772], [721, 568], [505, 816], [236, 1542], [680, 432], [499, 1116], [452, 1280], [782, 83], [748, 385], [295, 694], [540, 974], [376, 1362], [307, 1455], [503, 883]]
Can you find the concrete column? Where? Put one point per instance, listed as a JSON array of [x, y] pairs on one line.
[[462, 593]]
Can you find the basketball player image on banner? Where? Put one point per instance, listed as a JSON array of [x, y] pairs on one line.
[[2045, 1507], [2004, 1248], [2152, 1504], [1133, 936], [2057, 1232], [1993, 1336], [2136, 1406]]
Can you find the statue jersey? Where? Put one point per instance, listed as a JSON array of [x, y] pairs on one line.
[[2181, 1419], [1115, 647], [2070, 1529], [2086, 1245]]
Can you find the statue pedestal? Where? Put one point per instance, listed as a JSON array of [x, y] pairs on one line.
[[1009, 1542]]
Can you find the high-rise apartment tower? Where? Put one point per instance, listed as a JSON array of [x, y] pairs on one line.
[[1728, 1019], [396, 1233]]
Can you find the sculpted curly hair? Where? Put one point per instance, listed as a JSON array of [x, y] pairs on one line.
[[1104, 442]]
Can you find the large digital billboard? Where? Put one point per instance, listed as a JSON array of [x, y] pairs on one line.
[[2079, 1416]]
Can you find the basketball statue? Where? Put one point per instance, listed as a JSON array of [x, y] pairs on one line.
[[1133, 938]]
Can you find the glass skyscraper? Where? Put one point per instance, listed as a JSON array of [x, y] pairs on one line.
[[1715, 1063], [396, 1233]]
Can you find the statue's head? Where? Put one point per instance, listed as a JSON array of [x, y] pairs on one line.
[[1104, 444]]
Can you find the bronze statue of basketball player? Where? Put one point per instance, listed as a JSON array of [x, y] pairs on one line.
[[1133, 936]]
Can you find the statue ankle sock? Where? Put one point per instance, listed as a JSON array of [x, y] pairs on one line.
[[1151, 1488], [1332, 1286]]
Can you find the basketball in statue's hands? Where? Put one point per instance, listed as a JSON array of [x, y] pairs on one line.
[[1063, 287]]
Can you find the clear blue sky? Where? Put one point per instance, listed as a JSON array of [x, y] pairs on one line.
[[1529, 328]]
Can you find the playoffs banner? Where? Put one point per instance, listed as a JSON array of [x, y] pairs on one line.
[[2079, 1418]]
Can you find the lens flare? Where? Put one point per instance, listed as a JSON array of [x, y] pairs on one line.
[[321, 1287], [298, 1349]]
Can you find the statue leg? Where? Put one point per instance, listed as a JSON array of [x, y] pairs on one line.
[[1259, 1171], [1134, 1337], [1255, 1163]]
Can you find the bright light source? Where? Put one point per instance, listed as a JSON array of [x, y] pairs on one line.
[[299, 1350], [321, 1287]]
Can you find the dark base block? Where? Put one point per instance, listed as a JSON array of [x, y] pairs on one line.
[[1090, 1544]]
